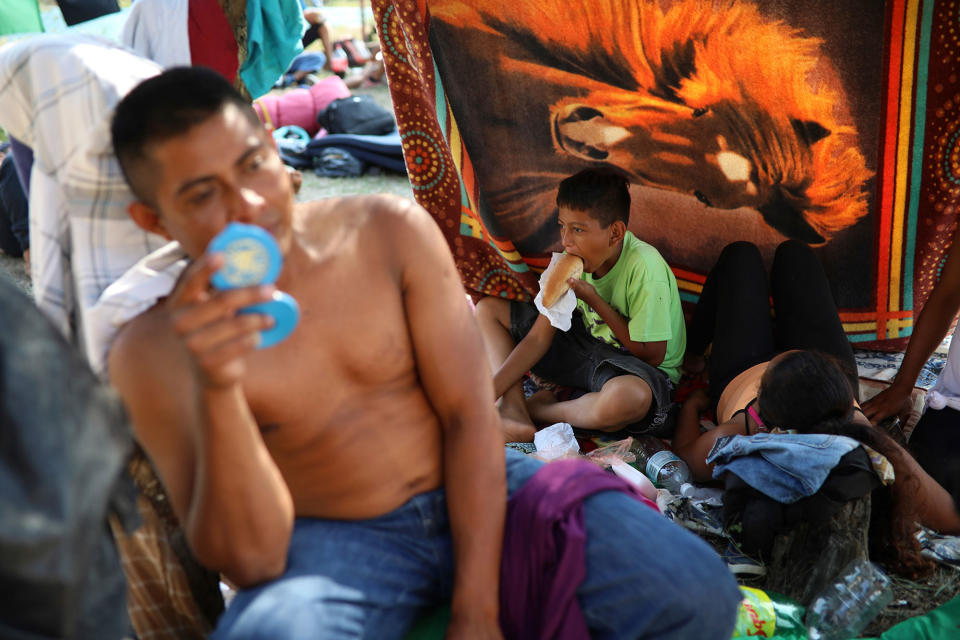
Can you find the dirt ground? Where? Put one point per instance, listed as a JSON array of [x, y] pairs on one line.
[[916, 598], [910, 598]]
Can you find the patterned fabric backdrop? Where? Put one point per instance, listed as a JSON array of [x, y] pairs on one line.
[[834, 123]]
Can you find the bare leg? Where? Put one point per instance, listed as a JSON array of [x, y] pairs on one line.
[[493, 317], [622, 401], [315, 17], [327, 46]]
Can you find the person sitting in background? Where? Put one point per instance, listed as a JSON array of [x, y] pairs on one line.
[[796, 373], [317, 30], [348, 492], [627, 338]]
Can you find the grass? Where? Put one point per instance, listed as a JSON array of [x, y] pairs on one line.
[[316, 187], [914, 598]]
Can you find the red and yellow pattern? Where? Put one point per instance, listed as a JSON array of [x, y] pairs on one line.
[[917, 183]]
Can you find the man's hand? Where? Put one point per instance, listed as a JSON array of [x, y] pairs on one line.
[[217, 337], [892, 401], [583, 290]]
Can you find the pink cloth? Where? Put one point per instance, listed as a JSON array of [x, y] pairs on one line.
[[300, 106]]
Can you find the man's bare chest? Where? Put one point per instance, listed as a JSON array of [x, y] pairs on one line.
[[347, 347]]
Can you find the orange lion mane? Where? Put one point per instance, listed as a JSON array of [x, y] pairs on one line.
[[717, 54]]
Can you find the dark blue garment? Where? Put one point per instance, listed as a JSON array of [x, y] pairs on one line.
[[77, 11], [309, 61], [23, 157], [14, 221]]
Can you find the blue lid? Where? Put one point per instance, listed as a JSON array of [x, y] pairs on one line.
[[285, 312], [252, 256]]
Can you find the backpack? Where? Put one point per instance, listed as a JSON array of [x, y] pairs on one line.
[[356, 114]]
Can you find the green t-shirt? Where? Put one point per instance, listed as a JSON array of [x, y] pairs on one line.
[[642, 289]]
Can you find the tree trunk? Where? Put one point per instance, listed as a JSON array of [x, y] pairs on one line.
[[809, 556]]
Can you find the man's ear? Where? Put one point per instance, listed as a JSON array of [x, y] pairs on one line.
[[617, 230], [146, 218]]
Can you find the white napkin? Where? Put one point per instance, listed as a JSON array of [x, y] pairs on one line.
[[556, 441], [560, 314]]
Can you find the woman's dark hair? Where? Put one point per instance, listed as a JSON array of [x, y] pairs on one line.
[[809, 392]]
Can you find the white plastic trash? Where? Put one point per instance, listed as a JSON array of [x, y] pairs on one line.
[[556, 441]]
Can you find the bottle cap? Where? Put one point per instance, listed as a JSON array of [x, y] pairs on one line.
[[252, 256], [285, 312]]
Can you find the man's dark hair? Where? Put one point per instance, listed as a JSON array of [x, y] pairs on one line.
[[165, 106], [603, 193]]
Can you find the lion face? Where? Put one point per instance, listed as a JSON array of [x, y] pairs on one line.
[[718, 155]]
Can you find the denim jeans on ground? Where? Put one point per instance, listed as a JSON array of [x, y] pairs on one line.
[[646, 576], [784, 466]]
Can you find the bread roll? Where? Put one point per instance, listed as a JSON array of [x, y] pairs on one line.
[[555, 284]]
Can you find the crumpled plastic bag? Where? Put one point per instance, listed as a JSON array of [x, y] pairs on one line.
[[556, 442], [942, 548], [617, 456]]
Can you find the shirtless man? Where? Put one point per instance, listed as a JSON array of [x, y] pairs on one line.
[[318, 474]]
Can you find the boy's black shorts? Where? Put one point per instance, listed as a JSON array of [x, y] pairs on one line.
[[577, 359]]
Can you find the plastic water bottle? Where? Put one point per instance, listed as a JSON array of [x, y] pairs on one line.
[[842, 610], [660, 464]]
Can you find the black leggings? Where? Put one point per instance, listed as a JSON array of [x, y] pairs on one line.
[[734, 312]]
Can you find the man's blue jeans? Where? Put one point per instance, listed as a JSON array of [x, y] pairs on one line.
[[646, 576]]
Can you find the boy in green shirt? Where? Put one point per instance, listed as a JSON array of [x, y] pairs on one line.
[[627, 339]]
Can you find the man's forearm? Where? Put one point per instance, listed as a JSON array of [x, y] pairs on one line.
[[476, 501], [931, 327], [688, 426], [525, 355], [241, 513]]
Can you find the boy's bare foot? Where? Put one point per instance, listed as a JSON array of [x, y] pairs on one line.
[[517, 431], [538, 402], [517, 426]]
